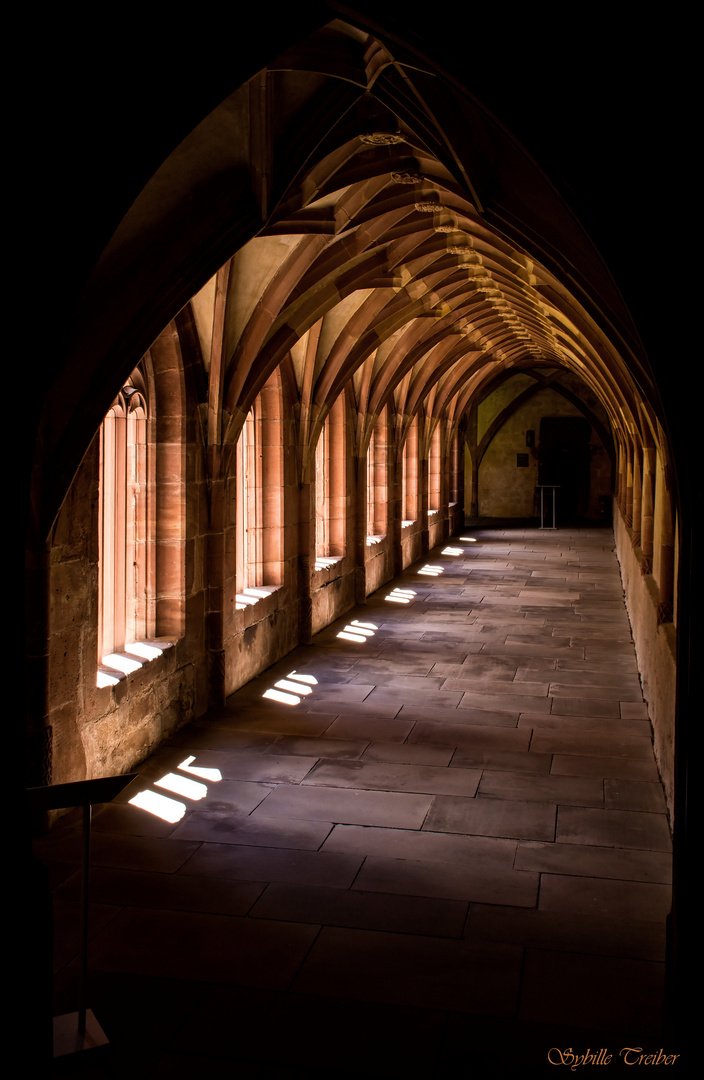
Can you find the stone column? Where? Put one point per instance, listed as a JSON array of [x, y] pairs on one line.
[[360, 531], [306, 561]]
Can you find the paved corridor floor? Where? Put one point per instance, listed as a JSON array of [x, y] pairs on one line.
[[441, 845]]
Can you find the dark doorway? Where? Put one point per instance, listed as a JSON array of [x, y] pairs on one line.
[[563, 456]]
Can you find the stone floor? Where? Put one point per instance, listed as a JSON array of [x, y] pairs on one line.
[[448, 850]]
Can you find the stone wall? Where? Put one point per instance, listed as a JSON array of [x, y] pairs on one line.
[[655, 649]]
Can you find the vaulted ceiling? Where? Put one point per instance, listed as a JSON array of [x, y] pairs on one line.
[[348, 212]]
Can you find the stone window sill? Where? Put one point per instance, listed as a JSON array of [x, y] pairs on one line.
[[254, 595], [324, 562], [115, 667]]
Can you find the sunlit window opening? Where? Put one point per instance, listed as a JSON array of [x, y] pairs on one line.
[[331, 489], [125, 546], [410, 475], [377, 482]]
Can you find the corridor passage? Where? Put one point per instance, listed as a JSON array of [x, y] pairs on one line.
[[441, 841]]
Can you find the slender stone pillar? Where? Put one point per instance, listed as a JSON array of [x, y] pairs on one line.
[[306, 561], [647, 512], [221, 531], [423, 506]]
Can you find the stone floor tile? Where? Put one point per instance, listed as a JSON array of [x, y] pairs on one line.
[[309, 746], [426, 699], [177, 892], [502, 760], [349, 806], [492, 817], [410, 970], [612, 993], [352, 1038], [593, 744], [613, 828], [588, 861], [642, 769], [470, 736], [290, 722], [383, 776], [634, 795], [334, 856], [504, 702], [415, 754], [481, 684], [463, 717], [602, 934], [201, 947], [257, 831], [633, 710], [586, 706], [348, 728], [250, 863], [647, 901], [577, 791], [139, 852], [448, 880], [486, 854], [573, 690], [364, 910], [583, 724]]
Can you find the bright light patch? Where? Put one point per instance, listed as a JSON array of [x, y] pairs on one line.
[[365, 625], [294, 687], [197, 770], [431, 571], [140, 648], [121, 663], [279, 695], [252, 595], [405, 524], [452, 551], [468, 539], [159, 805], [347, 636], [310, 679], [401, 596], [324, 562], [181, 785], [103, 679]]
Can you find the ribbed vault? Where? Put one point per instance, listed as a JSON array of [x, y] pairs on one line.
[[375, 246]]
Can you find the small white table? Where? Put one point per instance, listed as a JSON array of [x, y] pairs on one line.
[[543, 488]]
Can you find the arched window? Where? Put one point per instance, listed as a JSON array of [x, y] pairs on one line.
[[377, 485], [410, 475], [434, 471], [260, 524], [331, 487], [125, 544]]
